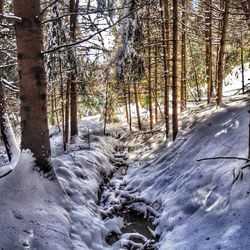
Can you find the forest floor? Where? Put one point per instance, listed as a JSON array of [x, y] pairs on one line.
[[103, 182], [135, 190]]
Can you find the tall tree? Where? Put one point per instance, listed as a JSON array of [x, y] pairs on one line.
[[222, 52], [183, 57], [175, 70], [73, 87], [208, 35], [33, 89], [164, 6], [149, 73]]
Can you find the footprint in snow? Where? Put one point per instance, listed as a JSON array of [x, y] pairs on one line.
[[17, 214]]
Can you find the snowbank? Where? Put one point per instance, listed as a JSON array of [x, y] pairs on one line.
[[32, 214], [58, 214], [80, 174], [233, 82], [203, 207]]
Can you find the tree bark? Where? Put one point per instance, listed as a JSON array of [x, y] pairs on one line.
[[156, 82], [149, 76], [3, 122], [67, 115], [175, 70], [183, 58], [222, 53], [3, 110], [242, 65], [137, 107], [208, 35], [126, 104], [129, 108], [166, 65], [33, 89], [73, 88]]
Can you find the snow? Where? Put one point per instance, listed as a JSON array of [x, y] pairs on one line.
[[15, 152], [39, 213], [201, 206], [233, 82], [194, 204]]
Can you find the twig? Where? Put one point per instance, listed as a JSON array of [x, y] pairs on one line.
[[245, 166], [225, 158], [11, 18]]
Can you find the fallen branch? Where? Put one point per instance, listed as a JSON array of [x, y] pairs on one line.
[[6, 174], [224, 158], [245, 166], [11, 18]]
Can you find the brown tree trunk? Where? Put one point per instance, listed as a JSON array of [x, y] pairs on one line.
[[73, 108], [242, 65], [1, 6], [73, 88], [195, 72], [33, 89], [222, 53], [149, 76], [183, 58], [166, 55], [129, 108], [67, 102], [137, 107], [208, 35], [126, 104], [106, 108], [175, 70], [156, 82], [62, 104], [52, 115], [218, 49]]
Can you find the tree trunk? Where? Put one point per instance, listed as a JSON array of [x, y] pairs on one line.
[[149, 77], [3, 122], [73, 88], [129, 108], [156, 82], [52, 115], [175, 70], [222, 53], [166, 55], [183, 58], [208, 35], [126, 104], [106, 108], [33, 89], [67, 102], [3, 110], [195, 72], [242, 65], [137, 107], [1, 6]]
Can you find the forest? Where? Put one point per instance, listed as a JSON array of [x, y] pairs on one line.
[[124, 124]]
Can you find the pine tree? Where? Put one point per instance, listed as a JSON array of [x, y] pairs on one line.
[[33, 90]]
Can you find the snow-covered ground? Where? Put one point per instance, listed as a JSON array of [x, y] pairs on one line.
[[194, 204], [203, 205], [233, 82], [39, 213]]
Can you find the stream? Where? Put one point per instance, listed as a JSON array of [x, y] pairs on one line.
[[137, 230]]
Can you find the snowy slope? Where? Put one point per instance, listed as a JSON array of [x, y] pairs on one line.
[[233, 81], [201, 206], [59, 214]]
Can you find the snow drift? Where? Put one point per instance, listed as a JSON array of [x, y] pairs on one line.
[[204, 204]]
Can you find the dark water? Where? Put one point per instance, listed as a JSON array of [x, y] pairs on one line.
[[134, 222]]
